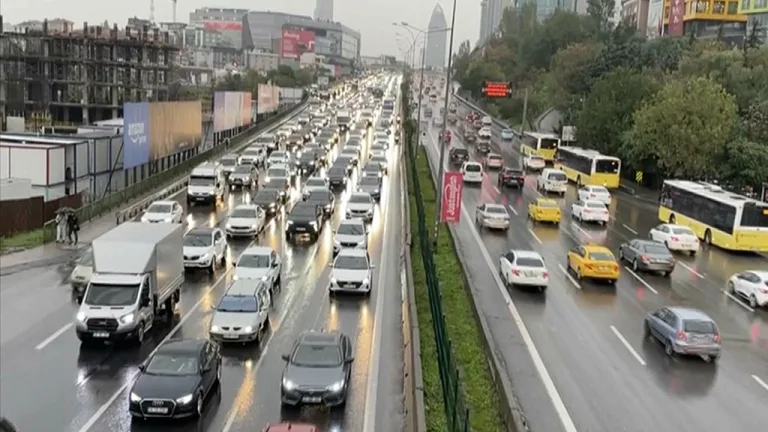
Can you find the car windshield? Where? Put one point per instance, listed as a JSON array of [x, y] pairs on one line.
[[319, 196], [497, 210], [315, 182], [304, 210], [472, 168], [173, 364], [682, 231], [111, 295], [656, 249], [296, 137], [360, 199], [198, 240], [350, 229], [277, 155], [277, 172], [529, 262], [243, 213], [276, 183], [243, 169], [202, 181], [598, 190], [699, 326], [317, 356], [513, 173], [241, 303], [159, 208], [461, 152], [609, 166], [369, 181], [228, 162], [351, 263], [536, 158], [557, 176], [546, 204], [596, 205], [265, 196], [601, 256], [253, 261]]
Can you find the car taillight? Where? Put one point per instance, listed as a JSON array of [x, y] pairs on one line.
[[681, 335], [644, 258], [587, 211], [674, 239], [516, 272], [545, 275], [588, 266], [592, 195], [717, 337]]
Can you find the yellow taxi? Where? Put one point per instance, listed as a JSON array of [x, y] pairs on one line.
[[544, 210], [593, 261]]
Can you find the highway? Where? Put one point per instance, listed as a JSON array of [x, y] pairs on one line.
[[50, 384], [576, 355]]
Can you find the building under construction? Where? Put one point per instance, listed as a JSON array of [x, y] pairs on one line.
[[55, 75]]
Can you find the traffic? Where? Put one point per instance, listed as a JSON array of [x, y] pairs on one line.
[[631, 318], [262, 295]]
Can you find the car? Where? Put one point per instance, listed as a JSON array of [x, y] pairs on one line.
[[81, 274], [305, 219], [647, 255], [372, 170], [534, 163], [676, 238], [260, 263], [338, 175], [284, 132], [360, 205], [437, 121], [278, 171], [370, 185], [595, 193], [242, 314], [552, 181], [511, 177], [303, 119], [307, 162], [593, 261], [524, 268], [315, 183], [494, 216], [176, 379], [318, 370], [326, 139], [295, 140], [483, 146], [204, 247], [292, 125], [353, 144], [590, 211], [290, 427], [351, 154], [281, 185], [351, 272], [324, 199], [378, 150], [751, 285], [269, 200], [485, 132], [255, 155], [228, 163], [165, 211], [351, 233], [246, 220], [268, 140], [684, 331], [384, 143], [472, 172], [382, 161], [458, 156], [493, 161], [244, 176], [279, 158], [507, 135], [382, 135], [356, 135]]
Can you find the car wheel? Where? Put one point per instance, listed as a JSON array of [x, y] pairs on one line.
[[199, 403], [212, 267], [634, 265], [621, 254], [140, 334], [218, 375], [708, 238], [668, 350], [646, 330], [752, 301]]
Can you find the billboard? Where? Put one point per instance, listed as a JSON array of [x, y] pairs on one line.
[[135, 134], [229, 110], [245, 109], [295, 42], [268, 98], [450, 208], [676, 12], [223, 25], [291, 94], [174, 127]]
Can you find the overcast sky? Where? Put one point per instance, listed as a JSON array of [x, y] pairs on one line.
[[373, 18]]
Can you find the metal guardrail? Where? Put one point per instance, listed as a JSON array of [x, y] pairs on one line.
[[497, 122]]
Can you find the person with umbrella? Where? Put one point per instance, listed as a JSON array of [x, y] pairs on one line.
[[61, 225], [73, 227]]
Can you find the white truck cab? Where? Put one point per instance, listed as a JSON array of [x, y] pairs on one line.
[[206, 184]]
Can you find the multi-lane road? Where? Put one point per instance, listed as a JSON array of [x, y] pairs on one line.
[[576, 355], [49, 383]]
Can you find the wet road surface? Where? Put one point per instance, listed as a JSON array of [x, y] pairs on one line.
[[591, 369], [50, 384]]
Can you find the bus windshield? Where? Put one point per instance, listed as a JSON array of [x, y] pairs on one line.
[[754, 216], [609, 166], [548, 143]]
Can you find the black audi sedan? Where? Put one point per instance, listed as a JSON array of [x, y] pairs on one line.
[[305, 219], [337, 176], [323, 199], [282, 186], [307, 163], [269, 200], [346, 162], [317, 370], [175, 381]]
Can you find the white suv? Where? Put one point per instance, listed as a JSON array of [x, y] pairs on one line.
[[472, 172], [351, 271], [552, 180], [360, 205], [351, 233]]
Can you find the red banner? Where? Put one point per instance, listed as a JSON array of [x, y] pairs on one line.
[[453, 185], [295, 42], [222, 25], [676, 13]]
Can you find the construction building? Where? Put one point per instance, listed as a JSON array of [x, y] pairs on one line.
[[62, 76]]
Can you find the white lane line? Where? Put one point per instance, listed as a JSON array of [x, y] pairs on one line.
[[762, 383], [497, 190], [535, 237], [699, 275], [512, 209], [581, 230], [53, 337], [636, 276], [626, 344], [738, 301], [568, 275], [629, 229]]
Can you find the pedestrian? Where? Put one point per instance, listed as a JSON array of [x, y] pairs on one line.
[[74, 227], [61, 226]]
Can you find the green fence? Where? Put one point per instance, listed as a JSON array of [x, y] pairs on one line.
[[456, 411]]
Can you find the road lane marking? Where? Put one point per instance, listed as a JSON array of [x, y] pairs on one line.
[[497, 190], [629, 229], [699, 275], [581, 230], [626, 344], [568, 275], [535, 237], [512, 209], [738, 301], [762, 383], [636, 276], [53, 337]]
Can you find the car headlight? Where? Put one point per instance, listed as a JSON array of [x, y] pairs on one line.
[[215, 328], [135, 397], [362, 243], [290, 222], [229, 225], [336, 387], [365, 281], [288, 384], [184, 399], [81, 317], [336, 242], [127, 319], [266, 179], [254, 226], [313, 224], [168, 220], [333, 280], [248, 329], [376, 191]]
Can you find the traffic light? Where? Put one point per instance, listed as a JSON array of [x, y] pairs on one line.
[[496, 89]]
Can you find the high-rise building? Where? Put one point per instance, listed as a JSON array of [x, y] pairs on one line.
[[324, 10], [491, 12], [545, 8], [705, 20], [225, 26], [636, 12], [757, 14], [437, 39], [485, 29]]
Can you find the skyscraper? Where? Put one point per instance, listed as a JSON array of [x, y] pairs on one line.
[[485, 29], [324, 10], [491, 12], [437, 39]]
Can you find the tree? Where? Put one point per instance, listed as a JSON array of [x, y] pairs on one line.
[[601, 13], [681, 128], [461, 60], [557, 32], [570, 67], [757, 124], [664, 53], [744, 162], [754, 39]]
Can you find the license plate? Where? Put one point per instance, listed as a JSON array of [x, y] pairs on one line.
[[311, 399], [349, 286], [200, 199], [100, 334], [157, 410], [230, 336], [300, 229]]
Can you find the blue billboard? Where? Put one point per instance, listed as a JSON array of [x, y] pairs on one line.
[[135, 134]]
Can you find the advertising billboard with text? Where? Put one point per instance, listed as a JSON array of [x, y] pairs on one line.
[[245, 110], [676, 13], [295, 42], [450, 209], [174, 127], [268, 98], [223, 25], [229, 110], [135, 134]]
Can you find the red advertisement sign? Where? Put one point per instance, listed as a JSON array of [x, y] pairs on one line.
[[496, 89], [295, 42], [222, 25], [676, 12], [453, 185]]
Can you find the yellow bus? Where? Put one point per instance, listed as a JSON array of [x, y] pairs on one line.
[[589, 167], [542, 144], [724, 219]]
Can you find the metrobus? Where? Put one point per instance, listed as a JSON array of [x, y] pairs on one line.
[[542, 144], [589, 167], [724, 219]]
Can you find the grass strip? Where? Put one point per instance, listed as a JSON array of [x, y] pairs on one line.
[[463, 330], [22, 240]]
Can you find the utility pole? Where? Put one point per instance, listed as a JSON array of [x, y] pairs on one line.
[[525, 111], [421, 89]]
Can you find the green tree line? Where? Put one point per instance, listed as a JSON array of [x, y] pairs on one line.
[[671, 107]]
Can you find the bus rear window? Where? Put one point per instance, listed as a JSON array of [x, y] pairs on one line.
[[548, 144], [754, 216], [607, 166]]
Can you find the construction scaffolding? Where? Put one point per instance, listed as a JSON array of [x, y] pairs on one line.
[[82, 76]]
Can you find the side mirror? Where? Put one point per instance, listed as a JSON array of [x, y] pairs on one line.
[[350, 359], [286, 357], [372, 266], [145, 301]]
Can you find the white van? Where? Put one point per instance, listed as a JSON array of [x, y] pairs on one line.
[[472, 172], [552, 180], [206, 183], [487, 121]]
